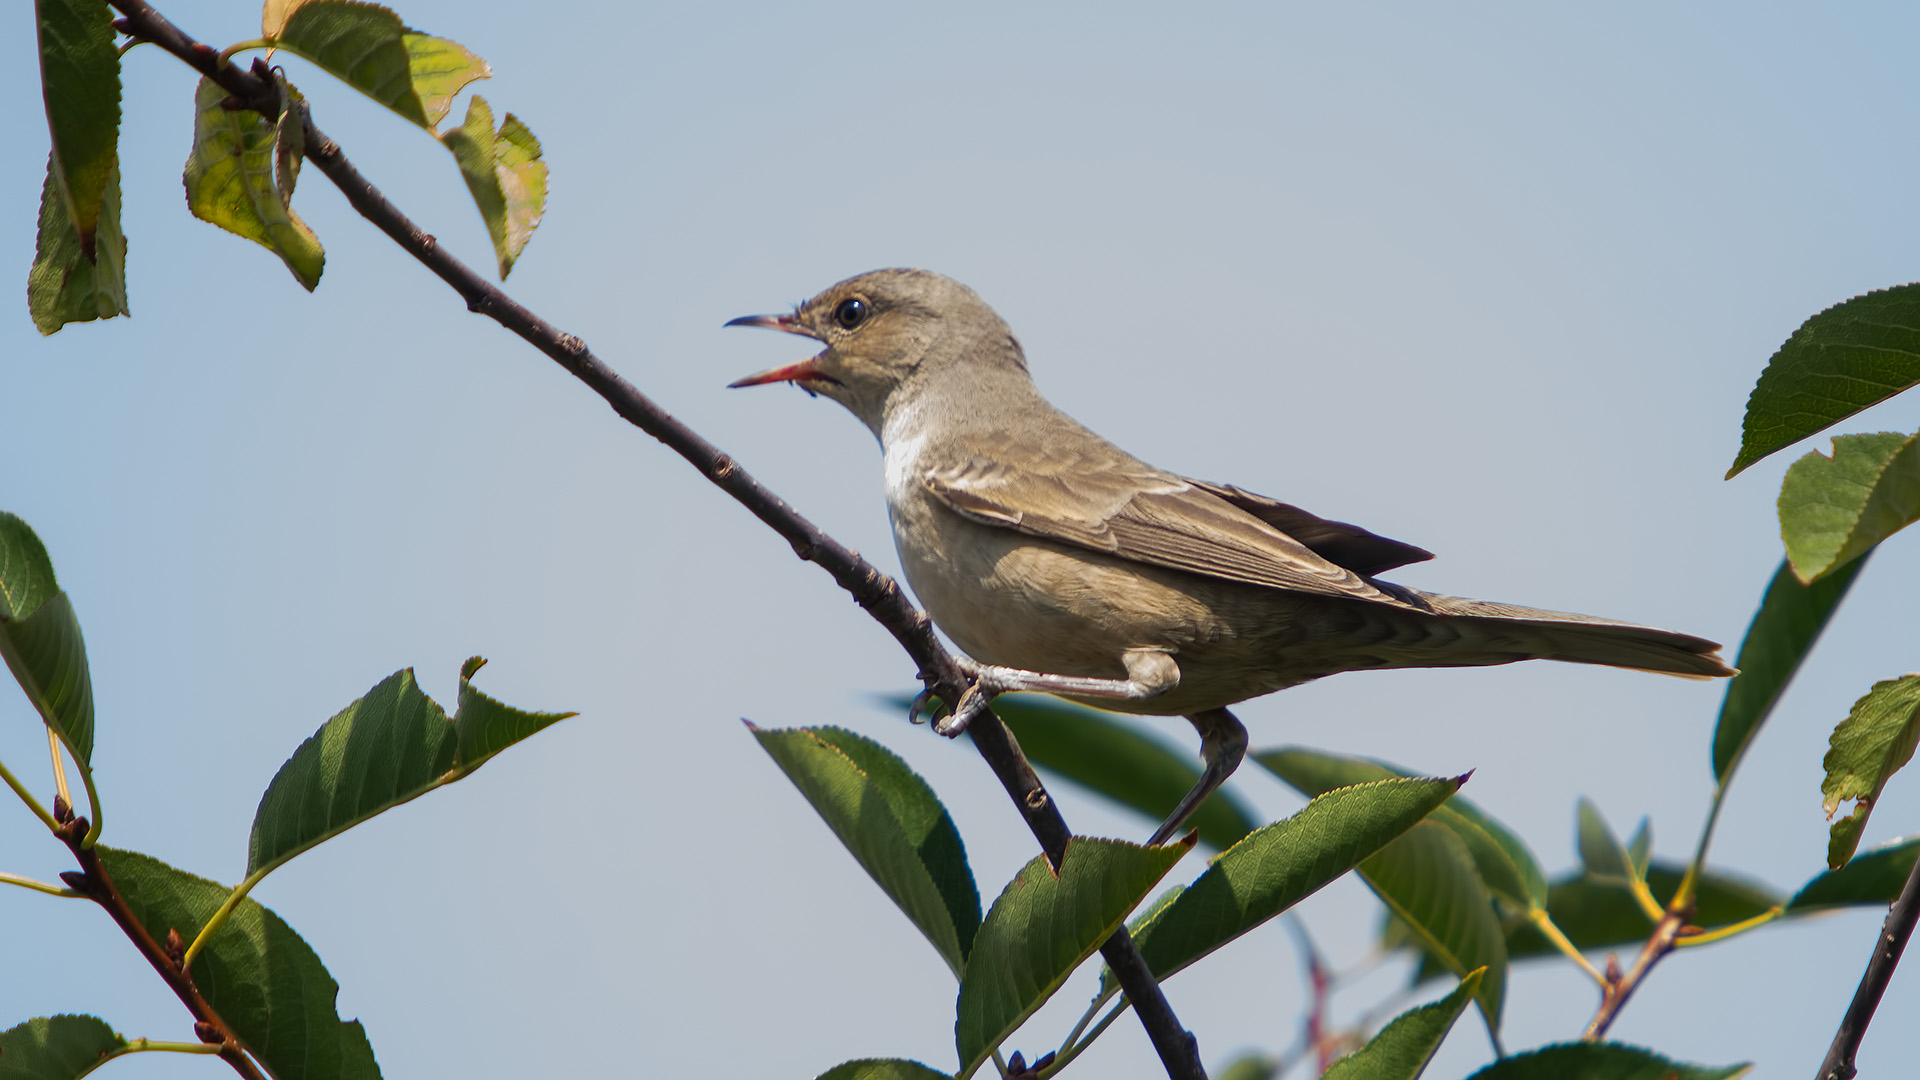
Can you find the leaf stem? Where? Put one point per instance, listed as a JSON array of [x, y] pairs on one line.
[[1067, 1054], [220, 917], [227, 54], [93, 805], [59, 767], [1691, 879], [26, 796], [39, 886], [1544, 923], [146, 1046], [1721, 933], [1085, 1019]]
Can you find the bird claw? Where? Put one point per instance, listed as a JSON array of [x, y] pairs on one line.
[[981, 689], [920, 709], [973, 702]]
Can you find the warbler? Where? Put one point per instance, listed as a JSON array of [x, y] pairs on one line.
[[1059, 562]]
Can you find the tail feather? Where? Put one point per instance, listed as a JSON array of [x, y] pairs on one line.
[[1585, 639]]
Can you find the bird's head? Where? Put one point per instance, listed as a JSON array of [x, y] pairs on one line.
[[885, 330]]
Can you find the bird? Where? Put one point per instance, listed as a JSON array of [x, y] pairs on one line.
[[1058, 562]]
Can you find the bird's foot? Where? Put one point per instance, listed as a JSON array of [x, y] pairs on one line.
[[1223, 743], [984, 684]]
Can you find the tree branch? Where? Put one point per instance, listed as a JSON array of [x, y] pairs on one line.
[[1886, 956], [93, 881], [874, 591], [1617, 988]]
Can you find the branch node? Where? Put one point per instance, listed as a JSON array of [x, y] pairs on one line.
[[124, 26], [806, 549], [62, 812], [1036, 799], [176, 949], [208, 1033], [76, 881], [724, 467], [573, 345]]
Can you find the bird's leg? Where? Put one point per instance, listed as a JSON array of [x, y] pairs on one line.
[[1223, 742], [1149, 672]]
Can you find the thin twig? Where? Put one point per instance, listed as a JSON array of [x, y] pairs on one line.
[[1886, 956], [93, 881], [1618, 988], [874, 591]]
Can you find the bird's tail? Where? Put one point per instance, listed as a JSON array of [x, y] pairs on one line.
[[1581, 639]]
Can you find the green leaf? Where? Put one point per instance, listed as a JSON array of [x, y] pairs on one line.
[[1873, 877], [26, 570], [1279, 865], [231, 182], [1640, 849], [505, 175], [1835, 509], [1601, 852], [262, 979], [368, 48], [1116, 759], [1427, 878], [56, 1047], [40, 638], [48, 657], [1849, 357], [65, 285], [1404, 1047], [894, 826], [1505, 863], [882, 1069], [1251, 1067], [1866, 749], [390, 747], [1599, 1061], [80, 83], [1783, 631], [1042, 927]]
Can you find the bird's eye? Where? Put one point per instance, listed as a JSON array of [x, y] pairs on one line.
[[851, 312]]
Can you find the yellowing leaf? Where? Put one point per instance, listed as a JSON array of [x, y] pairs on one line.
[[440, 68], [65, 286], [231, 182], [504, 173]]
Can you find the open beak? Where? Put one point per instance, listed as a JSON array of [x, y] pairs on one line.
[[803, 372]]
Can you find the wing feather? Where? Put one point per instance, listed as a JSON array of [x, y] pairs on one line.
[[1115, 504]]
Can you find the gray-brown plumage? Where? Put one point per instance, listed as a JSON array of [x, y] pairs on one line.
[[1059, 562]]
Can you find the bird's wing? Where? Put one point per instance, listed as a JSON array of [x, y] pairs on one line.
[[1103, 500], [1365, 553]]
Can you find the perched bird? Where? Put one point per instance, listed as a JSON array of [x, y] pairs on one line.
[[1061, 563]]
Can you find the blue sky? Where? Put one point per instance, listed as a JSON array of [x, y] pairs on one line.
[[1494, 279]]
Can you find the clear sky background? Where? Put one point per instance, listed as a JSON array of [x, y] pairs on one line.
[[1495, 280]]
